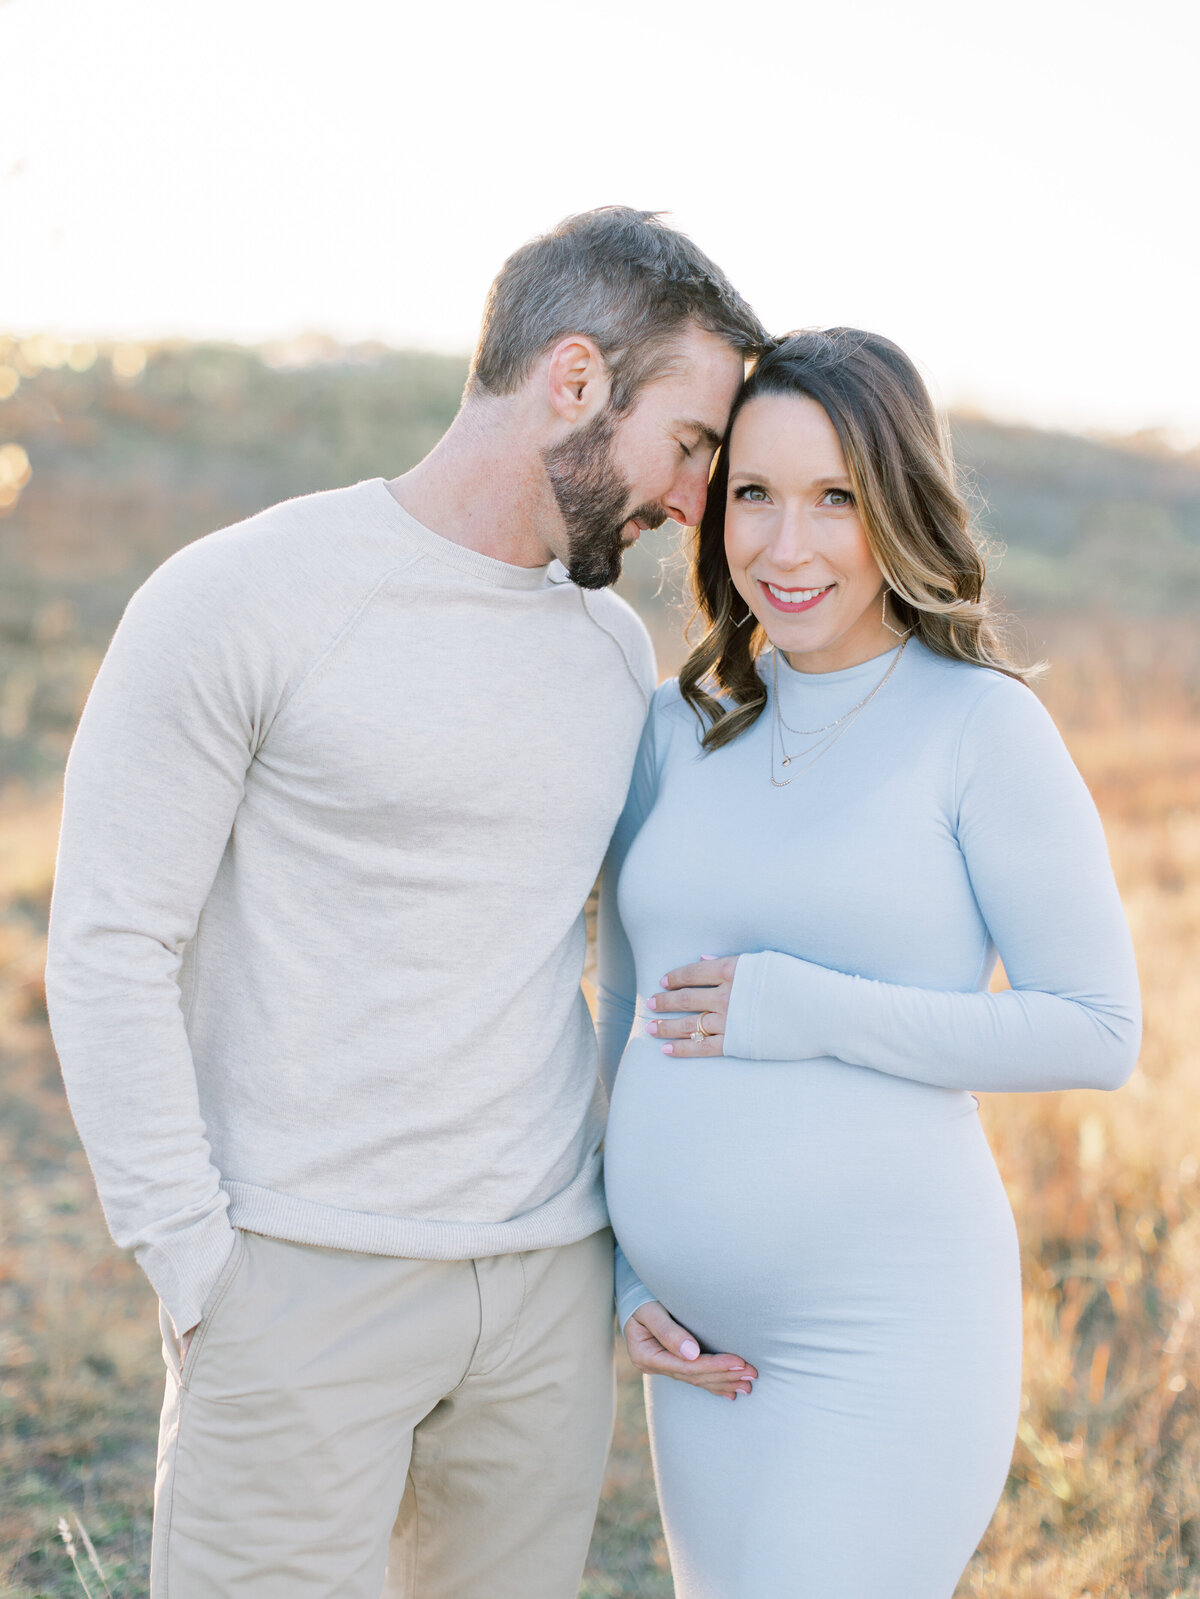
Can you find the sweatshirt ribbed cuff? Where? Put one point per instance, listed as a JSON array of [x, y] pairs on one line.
[[183, 1271]]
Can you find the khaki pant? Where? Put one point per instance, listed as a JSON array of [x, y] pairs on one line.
[[350, 1426]]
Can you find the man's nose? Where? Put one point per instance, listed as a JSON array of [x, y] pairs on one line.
[[687, 497]]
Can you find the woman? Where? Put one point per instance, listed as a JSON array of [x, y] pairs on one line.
[[846, 806]]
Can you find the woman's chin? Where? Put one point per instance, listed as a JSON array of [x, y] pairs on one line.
[[800, 641]]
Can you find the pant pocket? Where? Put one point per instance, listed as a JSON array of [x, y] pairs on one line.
[[187, 1364], [170, 1341]]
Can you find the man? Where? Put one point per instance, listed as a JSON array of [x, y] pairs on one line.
[[336, 802]]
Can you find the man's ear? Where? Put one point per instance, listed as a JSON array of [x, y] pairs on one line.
[[577, 382]]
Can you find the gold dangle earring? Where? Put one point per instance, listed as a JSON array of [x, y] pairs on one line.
[[749, 616], [887, 624]]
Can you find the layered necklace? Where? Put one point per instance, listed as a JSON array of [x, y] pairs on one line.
[[826, 737]]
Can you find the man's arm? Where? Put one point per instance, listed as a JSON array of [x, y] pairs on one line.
[[153, 784]]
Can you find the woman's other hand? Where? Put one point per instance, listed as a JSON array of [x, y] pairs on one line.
[[660, 1347], [702, 989]]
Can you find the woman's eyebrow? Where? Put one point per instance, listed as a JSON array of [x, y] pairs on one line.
[[840, 481]]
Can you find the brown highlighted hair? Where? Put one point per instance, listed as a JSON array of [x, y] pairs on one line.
[[915, 516], [623, 278]]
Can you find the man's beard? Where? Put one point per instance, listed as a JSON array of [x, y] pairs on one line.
[[593, 500]]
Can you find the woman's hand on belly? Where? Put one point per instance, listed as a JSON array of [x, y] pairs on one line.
[[702, 989], [660, 1347]]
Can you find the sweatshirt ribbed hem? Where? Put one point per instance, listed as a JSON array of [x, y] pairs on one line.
[[576, 1213]]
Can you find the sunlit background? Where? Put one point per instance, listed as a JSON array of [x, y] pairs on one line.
[[1006, 187], [243, 249]]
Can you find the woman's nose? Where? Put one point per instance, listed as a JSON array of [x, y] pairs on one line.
[[794, 543]]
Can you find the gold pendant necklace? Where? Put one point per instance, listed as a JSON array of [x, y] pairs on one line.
[[823, 746]]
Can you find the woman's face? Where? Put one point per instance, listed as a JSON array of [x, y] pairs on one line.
[[793, 538]]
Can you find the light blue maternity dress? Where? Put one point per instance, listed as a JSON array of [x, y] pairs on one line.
[[821, 1199]]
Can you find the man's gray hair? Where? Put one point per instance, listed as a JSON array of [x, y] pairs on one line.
[[623, 278]]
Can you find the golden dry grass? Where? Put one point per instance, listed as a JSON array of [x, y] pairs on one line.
[[1104, 1496], [77, 1344]]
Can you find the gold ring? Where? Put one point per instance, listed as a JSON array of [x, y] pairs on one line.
[[701, 1030]]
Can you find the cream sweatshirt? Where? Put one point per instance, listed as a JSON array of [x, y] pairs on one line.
[[335, 805]]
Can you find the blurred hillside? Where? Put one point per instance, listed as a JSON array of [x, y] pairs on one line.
[[113, 457]]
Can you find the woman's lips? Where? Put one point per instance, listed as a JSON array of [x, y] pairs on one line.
[[799, 605]]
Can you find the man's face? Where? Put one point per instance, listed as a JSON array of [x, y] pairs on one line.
[[614, 477]]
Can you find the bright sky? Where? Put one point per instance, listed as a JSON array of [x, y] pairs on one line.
[[1006, 187]]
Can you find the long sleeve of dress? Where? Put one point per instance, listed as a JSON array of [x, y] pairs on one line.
[[1038, 865], [616, 982], [616, 986]]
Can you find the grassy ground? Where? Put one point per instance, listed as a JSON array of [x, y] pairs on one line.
[[1104, 1496]]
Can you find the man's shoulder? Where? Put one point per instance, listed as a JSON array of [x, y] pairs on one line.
[[623, 624], [305, 555], [333, 528], [273, 589]]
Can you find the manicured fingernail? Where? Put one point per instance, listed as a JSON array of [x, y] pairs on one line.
[[710, 957], [689, 1349], [652, 1003], [668, 1049], [652, 1029], [663, 983], [733, 1396]]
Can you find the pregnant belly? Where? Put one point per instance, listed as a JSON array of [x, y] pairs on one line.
[[748, 1194]]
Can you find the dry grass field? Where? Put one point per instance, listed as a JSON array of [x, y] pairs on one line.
[[1104, 1496]]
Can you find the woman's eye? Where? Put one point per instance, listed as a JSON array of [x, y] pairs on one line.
[[687, 454], [752, 492], [838, 497]]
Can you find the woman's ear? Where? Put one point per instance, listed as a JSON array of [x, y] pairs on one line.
[[577, 380]]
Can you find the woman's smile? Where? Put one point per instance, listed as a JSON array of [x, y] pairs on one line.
[[793, 599]]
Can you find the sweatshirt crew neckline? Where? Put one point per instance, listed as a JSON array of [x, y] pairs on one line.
[[502, 574]]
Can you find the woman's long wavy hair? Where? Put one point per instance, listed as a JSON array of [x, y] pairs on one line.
[[914, 514]]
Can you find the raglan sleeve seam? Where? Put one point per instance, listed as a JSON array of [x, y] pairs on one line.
[[647, 695], [326, 652]]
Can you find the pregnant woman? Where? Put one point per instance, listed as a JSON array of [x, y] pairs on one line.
[[846, 807]]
